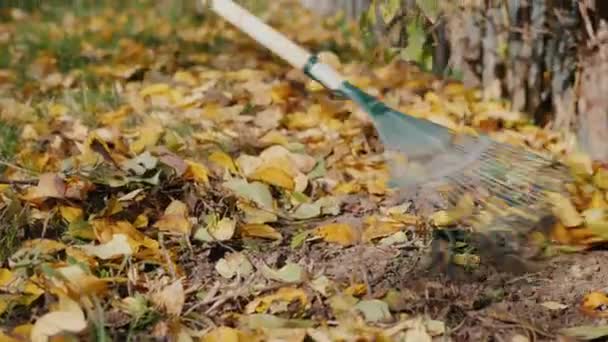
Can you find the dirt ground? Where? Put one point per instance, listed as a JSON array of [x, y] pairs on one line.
[[485, 304]]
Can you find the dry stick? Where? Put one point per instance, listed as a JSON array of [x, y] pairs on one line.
[[19, 182], [17, 167]]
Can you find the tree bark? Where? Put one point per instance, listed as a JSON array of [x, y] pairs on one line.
[[352, 8], [593, 102]]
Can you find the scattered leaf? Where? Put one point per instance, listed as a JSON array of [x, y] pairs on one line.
[[170, 298], [339, 233], [374, 310], [117, 247], [261, 231], [290, 273], [233, 264], [69, 319]]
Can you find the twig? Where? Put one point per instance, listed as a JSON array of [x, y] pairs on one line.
[[17, 167], [19, 182], [588, 27]]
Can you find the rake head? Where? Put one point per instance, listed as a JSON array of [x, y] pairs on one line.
[[498, 190]]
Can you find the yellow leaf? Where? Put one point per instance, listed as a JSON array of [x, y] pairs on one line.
[[82, 284], [149, 134], [6, 338], [115, 117], [70, 214], [356, 290], [285, 296], [347, 188], [467, 260], [339, 233], [274, 176], [594, 304], [224, 160], [380, 229], [598, 200], [175, 219], [57, 109], [42, 246], [463, 209], [256, 216], [6, 276], [565, 210], [224, 334], [301, 120], [197, 172], [141, 221], [580, 164], [260, 230], [274, 138], [600, 178], [155, 89]]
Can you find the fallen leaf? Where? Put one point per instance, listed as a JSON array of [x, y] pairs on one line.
[[261, 231], [149, 135], [273, 176], [586, 332], [69, 319], [339, 233], [554, 305], [196, 172], [256, 216], [323, 285], [278, 301], [70, 214], [171, 298], [417, 333], [140, 164], [290, 273], [50, 185], [600, 178], [117, 247], [565, 210], [595, 304], [222, 159], [234, 264], [374, 310], [272, 322], [175, 219], [256, 192], [224, 334]]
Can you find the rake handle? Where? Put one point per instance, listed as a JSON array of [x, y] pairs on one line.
[[276, 42], [262, 33]]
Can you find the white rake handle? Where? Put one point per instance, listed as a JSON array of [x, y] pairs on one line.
[[274, 41]]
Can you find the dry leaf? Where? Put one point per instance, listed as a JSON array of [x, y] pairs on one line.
[[117, 247], [69, 319], [175, 219], [339, 233], [278, 301], [171, 298], [565, 211], [595, 304], [260, 230], [233, 264]]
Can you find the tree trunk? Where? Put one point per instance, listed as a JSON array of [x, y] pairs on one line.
[[352, 8], [593, 102]]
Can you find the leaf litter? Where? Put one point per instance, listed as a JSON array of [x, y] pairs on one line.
[[177, 183]]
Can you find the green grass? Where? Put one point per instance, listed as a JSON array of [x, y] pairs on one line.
[[9, 140]]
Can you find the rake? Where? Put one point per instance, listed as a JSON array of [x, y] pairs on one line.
[[500, 190]]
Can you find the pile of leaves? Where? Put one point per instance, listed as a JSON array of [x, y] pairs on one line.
[[163, 176]]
